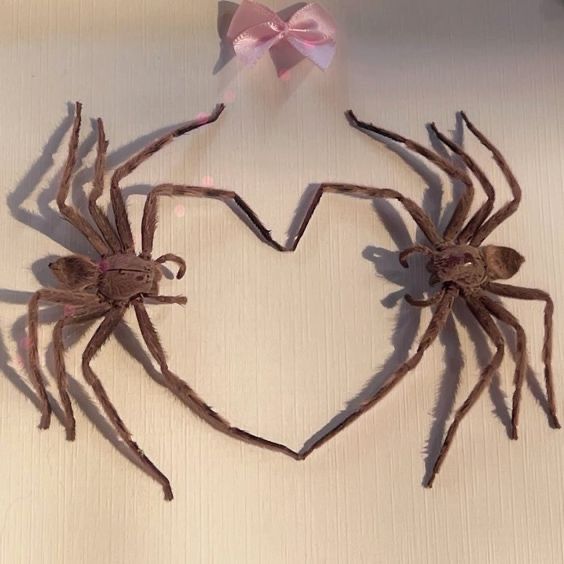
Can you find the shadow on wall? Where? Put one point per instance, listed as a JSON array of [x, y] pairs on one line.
[[552, 9]]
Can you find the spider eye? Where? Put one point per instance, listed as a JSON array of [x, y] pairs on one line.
[[468, 259]]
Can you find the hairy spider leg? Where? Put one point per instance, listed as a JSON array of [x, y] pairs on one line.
[[506, 210], [435, 326], [432, 300], [149, 221], [98, 214], [118, 203], [169, 257], [520, 293], [406, 253], [81, 316], [485, 209], [499, 312], [187, 395], [403, 256], [178, 300], [69, 212], [487, 323], [418, 214], [69, 297], [463, 207], [105, 329]]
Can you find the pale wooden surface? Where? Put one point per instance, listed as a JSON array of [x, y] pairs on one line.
[[279, 344]]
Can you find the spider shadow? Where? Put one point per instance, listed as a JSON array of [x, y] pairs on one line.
[[124, 335], [50, 223], [225, 12], [46, 220], [18, 382], [18, 336], [408, 319], [552, 9]]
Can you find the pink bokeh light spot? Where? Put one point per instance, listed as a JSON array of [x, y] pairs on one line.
[[229, 96], [69, 310], [207, 181], [202, 118], [179, 210], [285, 75]]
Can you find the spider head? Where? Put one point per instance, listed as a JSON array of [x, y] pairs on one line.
[[501, 262], [75, 272], [125, 276], [461, 264]]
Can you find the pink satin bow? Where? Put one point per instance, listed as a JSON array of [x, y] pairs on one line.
[[255, 28]]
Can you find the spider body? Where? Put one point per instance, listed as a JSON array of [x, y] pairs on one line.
[[464, 269], [104, 288], [118, 278], [471, 268], [461, 264], [126, 277]]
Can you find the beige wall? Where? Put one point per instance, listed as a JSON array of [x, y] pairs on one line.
[[280, 343]]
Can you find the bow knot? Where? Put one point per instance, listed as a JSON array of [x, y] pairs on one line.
[[255, 28]]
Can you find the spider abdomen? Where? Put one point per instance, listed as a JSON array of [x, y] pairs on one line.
[[75, 272], [126, 276]]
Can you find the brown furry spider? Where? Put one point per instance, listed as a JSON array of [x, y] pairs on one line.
[[464, 267], [121, 278]]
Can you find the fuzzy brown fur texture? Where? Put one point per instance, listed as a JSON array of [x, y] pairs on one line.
[[464, 268], [120, 278]]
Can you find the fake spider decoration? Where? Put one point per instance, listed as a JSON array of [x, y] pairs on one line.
[[119, 279], [465, 268]]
